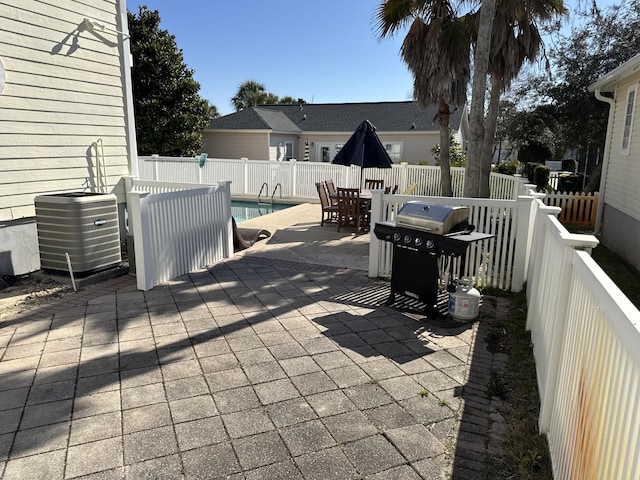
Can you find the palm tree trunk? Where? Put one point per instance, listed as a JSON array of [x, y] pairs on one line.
[[489, 135], [476, 113], [445, 150]]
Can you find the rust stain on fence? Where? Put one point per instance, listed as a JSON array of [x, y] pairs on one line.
[[585, 455], [578, 209]]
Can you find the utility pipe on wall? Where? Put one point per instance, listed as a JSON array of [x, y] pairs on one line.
[[605, 157]]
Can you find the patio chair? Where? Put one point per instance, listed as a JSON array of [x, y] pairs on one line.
[[329, 212], [331, 188], [351, 212], [371, 184], [244, 238]]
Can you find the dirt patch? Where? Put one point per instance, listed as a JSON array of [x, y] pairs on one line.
[[19, 294]]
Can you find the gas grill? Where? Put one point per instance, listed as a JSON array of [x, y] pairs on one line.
[[421, 234]]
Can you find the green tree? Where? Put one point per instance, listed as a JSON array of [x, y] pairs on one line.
[[562, 109], [436, 50], [457, 156], [287, 100], [213, 111], [252, 93], [170, 114]]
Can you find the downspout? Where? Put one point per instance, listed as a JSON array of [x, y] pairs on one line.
[[132, 144], [605, 158]]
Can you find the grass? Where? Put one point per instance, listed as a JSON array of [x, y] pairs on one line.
[[526, 453], [623, 275]]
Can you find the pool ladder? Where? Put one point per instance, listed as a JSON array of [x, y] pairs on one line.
[[266, 185], [275, 190], [261, 189]]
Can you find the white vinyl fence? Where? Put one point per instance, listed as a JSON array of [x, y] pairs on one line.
[[177, 228], [498, 262], [586, 341], [296, 180]]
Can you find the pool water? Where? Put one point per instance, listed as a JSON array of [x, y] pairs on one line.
[[241, 210]]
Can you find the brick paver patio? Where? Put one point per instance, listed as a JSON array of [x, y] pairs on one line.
[[252, 369]]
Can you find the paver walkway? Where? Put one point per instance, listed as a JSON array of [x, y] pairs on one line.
[[252, 369]]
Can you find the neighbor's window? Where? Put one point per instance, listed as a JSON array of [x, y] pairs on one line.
[[628, 119], [394, 149]]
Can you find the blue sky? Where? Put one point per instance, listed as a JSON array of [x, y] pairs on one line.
[[324, 52]]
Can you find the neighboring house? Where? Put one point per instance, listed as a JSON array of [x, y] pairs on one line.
[[316, 132], [619, 216], [67, 117]]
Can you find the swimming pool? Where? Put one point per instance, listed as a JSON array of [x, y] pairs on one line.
[[242, 210]]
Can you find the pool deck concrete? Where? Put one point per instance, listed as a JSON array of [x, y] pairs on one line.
[[280, 363]]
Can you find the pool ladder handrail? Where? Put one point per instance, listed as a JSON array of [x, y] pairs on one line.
[[261, 189], [275, 190]]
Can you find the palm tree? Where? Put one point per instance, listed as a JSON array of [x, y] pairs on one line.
[[515, 39], [251, 93], [436, 50], [478, 88], [213, 111]]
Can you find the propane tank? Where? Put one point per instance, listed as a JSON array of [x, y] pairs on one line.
[[464, 302]]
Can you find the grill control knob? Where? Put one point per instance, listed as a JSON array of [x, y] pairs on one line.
[[407, 238], [430, 244], [418, 241], [397, 237]]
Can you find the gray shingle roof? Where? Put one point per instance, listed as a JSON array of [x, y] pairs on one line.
[[335, 117]]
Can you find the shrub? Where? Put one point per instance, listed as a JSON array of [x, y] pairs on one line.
[[507, 168], [529, 169], [457, 157], [541, 177]]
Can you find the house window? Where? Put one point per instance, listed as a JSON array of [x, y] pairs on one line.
[[394, 149], [628, 119]]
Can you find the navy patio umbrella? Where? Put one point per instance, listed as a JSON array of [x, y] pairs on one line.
[[364, 149]]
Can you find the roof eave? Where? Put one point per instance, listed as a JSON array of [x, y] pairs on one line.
[[240, 130]]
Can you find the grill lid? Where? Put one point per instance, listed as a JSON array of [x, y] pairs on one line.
[[438, 219]]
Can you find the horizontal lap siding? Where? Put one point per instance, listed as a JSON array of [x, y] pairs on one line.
[[236, 145], [623, 175], [64, 91]]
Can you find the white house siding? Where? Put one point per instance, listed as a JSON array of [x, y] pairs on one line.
[[251, 145], [64, 90], [623, 175], [416, 147], [621, 214]]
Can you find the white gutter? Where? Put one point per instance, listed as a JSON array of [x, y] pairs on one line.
[[132, 143], [605, 158]]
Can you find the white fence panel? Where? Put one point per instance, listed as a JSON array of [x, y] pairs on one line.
[[310, 173], [221, 170], [297, 179], [586, 341], [489, 262], [178, 229], [594, 425], [503, 186]]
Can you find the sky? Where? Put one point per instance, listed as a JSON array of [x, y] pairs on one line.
[[322, 51]]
